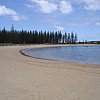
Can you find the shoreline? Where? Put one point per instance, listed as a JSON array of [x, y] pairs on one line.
[[50, 46], [26, 78]]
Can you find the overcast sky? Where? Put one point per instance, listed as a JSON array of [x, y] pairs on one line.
[[80, 16]]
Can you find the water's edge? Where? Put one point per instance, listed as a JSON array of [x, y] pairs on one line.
[[25, 54]]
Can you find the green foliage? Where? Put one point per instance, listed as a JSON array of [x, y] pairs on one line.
[[35, 37]]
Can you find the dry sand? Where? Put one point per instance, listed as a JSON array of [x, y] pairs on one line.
[[25, 78]]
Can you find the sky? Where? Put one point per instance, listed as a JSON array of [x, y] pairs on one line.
[[80, 16]]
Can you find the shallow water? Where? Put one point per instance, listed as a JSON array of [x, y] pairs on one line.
[[80, 54]]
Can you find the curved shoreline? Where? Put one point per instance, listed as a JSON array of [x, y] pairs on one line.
[[24, 54], [51, 46]]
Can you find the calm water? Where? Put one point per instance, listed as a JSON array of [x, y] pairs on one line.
[[81, 54]]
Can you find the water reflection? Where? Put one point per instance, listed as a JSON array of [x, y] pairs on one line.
[[81, 54]]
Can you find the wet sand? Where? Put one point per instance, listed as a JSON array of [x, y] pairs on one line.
[[26, 78]]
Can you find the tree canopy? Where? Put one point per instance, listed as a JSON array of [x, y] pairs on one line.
[[36, 37]]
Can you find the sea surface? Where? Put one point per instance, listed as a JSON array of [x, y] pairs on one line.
[[78, 54]]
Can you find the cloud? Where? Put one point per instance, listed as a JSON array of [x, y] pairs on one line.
[[16, 18], [45, 6], [50, 6], [89, 4], [58, 27], [92, 4], [9, 12], [6, 11], [28, 5], [98, 23], [65, 7]]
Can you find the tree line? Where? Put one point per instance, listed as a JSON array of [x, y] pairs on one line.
[[36, 37]]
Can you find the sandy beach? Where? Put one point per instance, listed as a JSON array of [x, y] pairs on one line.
[[26, 78]]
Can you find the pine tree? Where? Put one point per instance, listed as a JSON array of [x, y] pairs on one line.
[[56, 38], [69, 38], [66, 39], [12, 28], [59, 36], [63, 39], [75, 38], [35, 37], [72, 37]]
